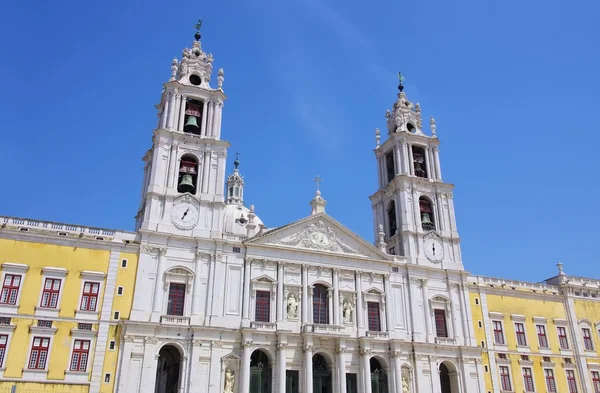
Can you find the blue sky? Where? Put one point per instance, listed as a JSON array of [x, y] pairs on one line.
[[514, 87]]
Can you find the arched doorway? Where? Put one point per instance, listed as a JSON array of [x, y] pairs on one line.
[[448, 378], [321, 375], [378, 377], [260, 372], [168, 370]]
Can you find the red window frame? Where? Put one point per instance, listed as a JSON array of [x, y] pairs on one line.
[[505, 378], [320, 305], [528, 379], [89, 298], [441, 327], [80, 356], [374, 316], [520, 331], [571, 382], [3, 343], [176, 302], [498, 333], [51, 292], [587, 339], [10, 289], [550, 382], [562, 337], [262, 312], [596, 381], [542, 338], [39, 353]]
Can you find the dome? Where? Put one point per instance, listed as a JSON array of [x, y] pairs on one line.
[[235, 220]]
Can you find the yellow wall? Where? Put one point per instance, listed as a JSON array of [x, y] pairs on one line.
[[32, 387], [75, 259], [477, 316], [589, 310]]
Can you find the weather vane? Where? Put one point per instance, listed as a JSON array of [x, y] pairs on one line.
[[236, 163], [197, 26], [318, 180], [400, 81]]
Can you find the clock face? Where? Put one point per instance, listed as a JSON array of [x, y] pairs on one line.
[[434, 249], [184, 215], [319, 239]]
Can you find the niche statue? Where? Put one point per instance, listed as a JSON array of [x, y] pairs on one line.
[[292, 307]]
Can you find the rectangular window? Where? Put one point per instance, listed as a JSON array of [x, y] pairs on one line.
[[595, 381], [373, 313], [571, 383], [176, 299], [10, 289], [44, 323], [562, 337], [84, 326], [116, 315], [263, 306], [89, 299], [587, 339], [81, 350], [550, 383], [124, 263], [498, 334], [50, 293], [441, 329], [4, 321], [525, 357], [505, 378], [520, 330], [39, 353], [120, 291], [546, 359], [542, 338], [3, 341], [501, 356], [106, 378], [527, 379], [111, 345], [236, 249]]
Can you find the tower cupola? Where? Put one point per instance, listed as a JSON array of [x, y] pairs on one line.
[[235, 185]]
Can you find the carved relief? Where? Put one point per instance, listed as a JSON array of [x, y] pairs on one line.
[[347, 308], [151, 340], [292, 306]]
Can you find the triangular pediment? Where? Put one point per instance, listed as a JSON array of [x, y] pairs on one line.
[[319, 233]]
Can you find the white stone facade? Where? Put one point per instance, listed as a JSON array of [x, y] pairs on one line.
[[224, 305]]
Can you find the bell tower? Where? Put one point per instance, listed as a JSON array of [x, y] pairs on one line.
[[184, 173], [412, 204]]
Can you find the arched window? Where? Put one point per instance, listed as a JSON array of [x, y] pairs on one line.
[[260, 372], [378, 377], [178, 282], [419, 164], [427, 220], [188, 174], [320, 305], [193, 116], [391, 213]]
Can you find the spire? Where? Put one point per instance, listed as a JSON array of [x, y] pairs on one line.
[[195, 66], [235, 184], [318, 203]]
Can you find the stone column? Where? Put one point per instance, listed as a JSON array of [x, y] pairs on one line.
[[426, 310], [205, 171], [388, 303], [405, 158], [182, 102], [217, 128], [436, 158], [430, 172], [395, 355], [158, 282], [452, 307], [215, 118], [246, 304], [305, 295], [331, 306], [308, 369], [245, 370], [281, 365], [184, 374], [398, 157], [336, 297], [172, 109], [204, 116], [172, 166], [280, 298], [341, 366], [359, 303], [196, 296], [365, 355], [209, 120], [165, 112], [411, 167]]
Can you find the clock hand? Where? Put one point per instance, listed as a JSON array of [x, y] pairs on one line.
[[185, 214]]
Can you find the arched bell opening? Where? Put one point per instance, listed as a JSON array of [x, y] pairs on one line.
[[391, 215], [193, 116], [379, 383], [260, 372], [427, 218], [389, 166], [448, 378], [321, 374], [168, 370], [411, 128], [419, 164], [188, 174]]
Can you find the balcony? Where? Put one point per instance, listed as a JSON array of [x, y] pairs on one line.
[[175, 320], [376, 334], [265, 326], [445, 340], [323, 329]]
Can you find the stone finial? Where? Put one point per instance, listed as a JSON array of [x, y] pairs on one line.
[[377, 138], [432, 125], [251, 226], [220, 78], [318, 203], [560, 269], [381, 244], [252, 209], [174, 68]]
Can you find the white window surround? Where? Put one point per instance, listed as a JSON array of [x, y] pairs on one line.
[[15, 269], [266, 284], [309, 298], [54, 273], [539, 320], [91, 277], [8, 331], [503, 347], [522, 348], [178, 275], [559, 322], [518, 318], [586, 324], [79, 376], [439, 302], [37, 375], [543, 350], [374, 295], [83, 334], [530, 367]]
